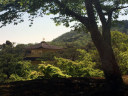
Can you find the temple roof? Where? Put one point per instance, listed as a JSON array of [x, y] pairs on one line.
[[43, 45]]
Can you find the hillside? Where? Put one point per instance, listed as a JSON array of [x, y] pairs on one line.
[[121, 26], [80, 39], [73, 38]]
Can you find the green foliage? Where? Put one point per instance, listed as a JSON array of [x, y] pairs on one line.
[[84, 12], [84, 67], [23, 68], [13, 10], [50, 71], [34, 74], [12, 68], [86, 63], [68, 67], [121, 26], [9, 58], [123, 62], [73, 38], [90, 60], [120, 47], [3, 77], [7, 64], [119, 40], [85, 57], [15, 77], [68, 53]]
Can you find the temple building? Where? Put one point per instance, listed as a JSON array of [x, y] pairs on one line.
[[36, 51]]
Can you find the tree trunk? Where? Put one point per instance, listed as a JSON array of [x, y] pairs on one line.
[[103, 45], [109, 64]]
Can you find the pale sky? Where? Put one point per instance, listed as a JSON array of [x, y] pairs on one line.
[[42, 28]]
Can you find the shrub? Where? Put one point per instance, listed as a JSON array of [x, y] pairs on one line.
[[50, 71], [15, 77], [123, 62], [78, 69]]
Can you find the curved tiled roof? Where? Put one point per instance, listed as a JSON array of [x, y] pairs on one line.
[[43, 45]]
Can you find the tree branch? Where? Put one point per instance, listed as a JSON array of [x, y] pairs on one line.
[[91, 15], [114, 9], [9, 5], [109, 19], [106, 24], [99, 11], [69, 12]]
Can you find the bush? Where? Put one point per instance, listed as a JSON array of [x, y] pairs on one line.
[[34, 74], [123, 62], [78, 69], [50, 71], [15, 77], [120, 47]]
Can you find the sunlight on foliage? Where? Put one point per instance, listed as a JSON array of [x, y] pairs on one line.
[[120, 46], [80, 68], [51, 71]]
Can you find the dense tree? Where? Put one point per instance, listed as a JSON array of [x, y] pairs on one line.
[[121, 26], [12, 66], [8, 58], [86, 12]]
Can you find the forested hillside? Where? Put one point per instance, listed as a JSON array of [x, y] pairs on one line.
[[81, 39], [121, 26], [74, 38]]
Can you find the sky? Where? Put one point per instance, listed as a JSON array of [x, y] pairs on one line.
[[41, 28]]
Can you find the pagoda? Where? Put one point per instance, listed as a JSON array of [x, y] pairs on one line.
[[36, 51]]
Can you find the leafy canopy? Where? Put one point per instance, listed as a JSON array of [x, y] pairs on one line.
[[65, 10]]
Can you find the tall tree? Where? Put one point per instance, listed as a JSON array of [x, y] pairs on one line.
[[86, 12]]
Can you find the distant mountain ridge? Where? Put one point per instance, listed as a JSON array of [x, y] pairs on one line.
[[73, 37]]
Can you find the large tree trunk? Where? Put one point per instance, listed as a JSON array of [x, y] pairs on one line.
[[103, 45], [109, 64]]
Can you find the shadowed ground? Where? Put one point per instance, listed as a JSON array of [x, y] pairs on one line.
[[61, 87]]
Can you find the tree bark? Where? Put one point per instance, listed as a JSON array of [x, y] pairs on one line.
[[109, 64], [103, 45]]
